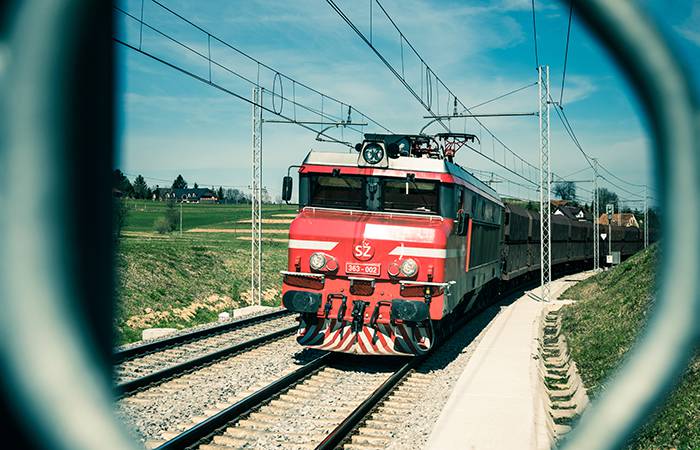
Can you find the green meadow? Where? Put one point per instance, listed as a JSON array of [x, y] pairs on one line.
[[181, 280]]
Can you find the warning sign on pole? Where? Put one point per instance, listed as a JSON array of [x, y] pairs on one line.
[[603, 235]]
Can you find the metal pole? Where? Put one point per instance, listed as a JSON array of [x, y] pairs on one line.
[[609, 237], [180, 217], [646, 218], [609, 211], [596, 216], [545, 184], [255, 201]]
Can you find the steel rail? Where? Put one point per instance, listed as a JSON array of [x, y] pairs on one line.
[[204, 430], [343, 430], [152, 347], [209, 426], [128, 388]]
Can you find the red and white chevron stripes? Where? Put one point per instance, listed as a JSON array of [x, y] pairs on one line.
[[381, 339]]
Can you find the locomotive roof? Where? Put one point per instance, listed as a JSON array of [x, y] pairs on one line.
[[403, 163]]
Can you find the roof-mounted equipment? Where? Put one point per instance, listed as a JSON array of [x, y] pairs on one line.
[[452, 142]]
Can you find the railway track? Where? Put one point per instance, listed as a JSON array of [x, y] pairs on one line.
[[332, 402], [136, 351], [290, 413], [152, 363]]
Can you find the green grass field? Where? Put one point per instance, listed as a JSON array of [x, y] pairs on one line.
[[602, 326], [173, 280], [142, 215]]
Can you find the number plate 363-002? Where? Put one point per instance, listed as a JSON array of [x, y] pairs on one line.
[[371, 269]]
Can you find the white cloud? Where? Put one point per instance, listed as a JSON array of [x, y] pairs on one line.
[[174, 124], [577, 88], [690, 29]]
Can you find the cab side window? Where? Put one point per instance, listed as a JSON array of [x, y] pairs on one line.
[[468, 199], [460, 198]]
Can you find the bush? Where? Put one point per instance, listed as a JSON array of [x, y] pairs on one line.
[[172, 216], [170, 221], [119, 212], [162, 226]]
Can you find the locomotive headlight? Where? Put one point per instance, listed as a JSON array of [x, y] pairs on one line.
[[373, 153], [409, 267], [317, 261]]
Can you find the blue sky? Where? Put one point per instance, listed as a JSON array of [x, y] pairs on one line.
[[170, 123]]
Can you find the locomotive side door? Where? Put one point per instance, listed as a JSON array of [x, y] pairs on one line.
[[464, 225]]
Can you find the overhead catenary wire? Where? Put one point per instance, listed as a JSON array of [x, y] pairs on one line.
[[428, 72], [624, 181], [577, 172], [504, 95], [456, 99], [292, 118], [635, 194], [534, 35], [425, 97], [566, 57], [569, 129], [502, 178], [278, 75]]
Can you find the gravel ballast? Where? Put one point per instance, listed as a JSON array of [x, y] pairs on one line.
[[150, 363], [172, 408], [441, 370], [183, 399]]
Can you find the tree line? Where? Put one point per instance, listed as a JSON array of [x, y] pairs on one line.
[[139, 189]]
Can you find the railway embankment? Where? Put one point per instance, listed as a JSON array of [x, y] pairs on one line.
[[609, 311]]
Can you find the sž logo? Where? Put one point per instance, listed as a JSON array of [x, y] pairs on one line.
[[363, 251]]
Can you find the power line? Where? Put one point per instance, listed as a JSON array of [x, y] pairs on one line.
[[277, 98], [576, 172], [569, 129], [534, 35], [430, 88], [623, 181], [428, 72], [277, 75], [502, 178], [504, 95], [636, 195], [566, 55]]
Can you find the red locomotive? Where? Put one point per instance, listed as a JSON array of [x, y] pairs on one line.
[[392, 243]]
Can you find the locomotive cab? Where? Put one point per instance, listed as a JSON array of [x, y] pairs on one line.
[[381, 250]]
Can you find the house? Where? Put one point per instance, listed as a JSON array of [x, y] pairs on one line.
[[188, 195], [622, 219], [561, 208]]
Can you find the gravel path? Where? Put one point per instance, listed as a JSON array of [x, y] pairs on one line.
[[178, 403]]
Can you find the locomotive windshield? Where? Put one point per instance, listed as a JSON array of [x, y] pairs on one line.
[[337, 192], [373, 194], [414, 196]]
